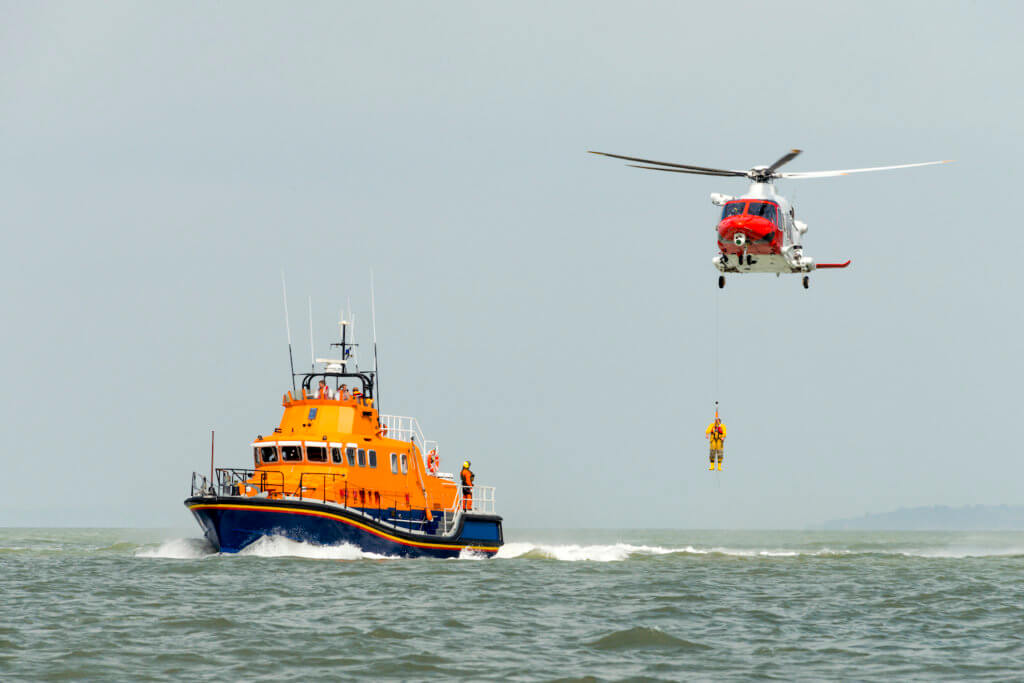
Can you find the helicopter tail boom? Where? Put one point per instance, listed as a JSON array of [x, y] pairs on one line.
[[832, 265]]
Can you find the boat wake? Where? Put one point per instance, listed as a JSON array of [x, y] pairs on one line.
[[575, 553], [267, 546], [277, 546], [619, 552]]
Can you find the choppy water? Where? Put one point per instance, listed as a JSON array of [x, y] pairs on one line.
[[605, 605]]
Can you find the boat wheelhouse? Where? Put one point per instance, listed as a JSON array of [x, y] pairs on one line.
[[336, 471]]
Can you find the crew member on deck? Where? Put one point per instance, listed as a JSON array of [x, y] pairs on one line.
[[467, 486], [343, 393], [321, 391], [715, 433]]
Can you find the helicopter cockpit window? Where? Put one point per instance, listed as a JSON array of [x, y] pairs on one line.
[[732, 209], [763, 209]]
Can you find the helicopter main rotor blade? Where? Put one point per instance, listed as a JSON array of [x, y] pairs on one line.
[[705, 169], [717, 174], [831, 174], [785, 159]]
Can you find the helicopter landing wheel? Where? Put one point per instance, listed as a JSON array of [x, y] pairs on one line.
[[721, 282], [807, 282]]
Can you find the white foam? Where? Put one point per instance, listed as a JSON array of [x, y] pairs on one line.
[[179, 549], [576, 553], [279, 546], [468, 554], [623, 551]]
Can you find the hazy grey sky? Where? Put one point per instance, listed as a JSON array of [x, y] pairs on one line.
[[543, 312]]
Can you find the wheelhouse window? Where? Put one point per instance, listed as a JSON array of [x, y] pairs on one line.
[[351, 453], [336, 455], [268, 453], [733, 209], [373, 458], [291, 453], [362, 457], [405, 464], [394, 463], [316, 453], [763, 209]]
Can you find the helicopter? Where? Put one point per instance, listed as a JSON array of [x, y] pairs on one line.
[[758, 232]]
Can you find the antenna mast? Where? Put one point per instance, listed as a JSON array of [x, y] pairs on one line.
[[373, 325], [352, 322], [288, 330]]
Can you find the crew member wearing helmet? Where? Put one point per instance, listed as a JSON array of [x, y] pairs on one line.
[[715, 433], [467, 486]]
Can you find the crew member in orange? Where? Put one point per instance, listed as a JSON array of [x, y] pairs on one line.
[[467, 486], [715, 433], [321, 391]]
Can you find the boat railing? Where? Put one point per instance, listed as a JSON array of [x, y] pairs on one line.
[[234, 481], [201, 485], [481, 500], [406, 429]]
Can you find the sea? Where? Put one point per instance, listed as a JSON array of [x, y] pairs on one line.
[[565, 605]]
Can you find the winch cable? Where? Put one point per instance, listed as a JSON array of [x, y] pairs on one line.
[[717, 306], [718, 295]]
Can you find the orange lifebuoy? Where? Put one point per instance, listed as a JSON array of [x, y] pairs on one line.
[[433, 461]]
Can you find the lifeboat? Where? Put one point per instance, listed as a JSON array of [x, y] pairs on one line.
[[336, 471]]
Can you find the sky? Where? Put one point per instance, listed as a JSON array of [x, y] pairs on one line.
[[548, 314]]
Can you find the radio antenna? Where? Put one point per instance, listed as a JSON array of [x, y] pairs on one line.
[[355, 339], [288, 331], [373, 326], [312, 356]]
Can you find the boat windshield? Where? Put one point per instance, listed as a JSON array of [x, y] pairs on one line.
[[268, 453], [732, 209], [763, 209]]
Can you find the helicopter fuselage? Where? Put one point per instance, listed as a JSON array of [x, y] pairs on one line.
[[759, 233]]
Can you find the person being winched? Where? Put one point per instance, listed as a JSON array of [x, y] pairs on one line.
[[715, 433], [467, 487]]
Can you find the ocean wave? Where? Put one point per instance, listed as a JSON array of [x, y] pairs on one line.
[[644, 638]]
